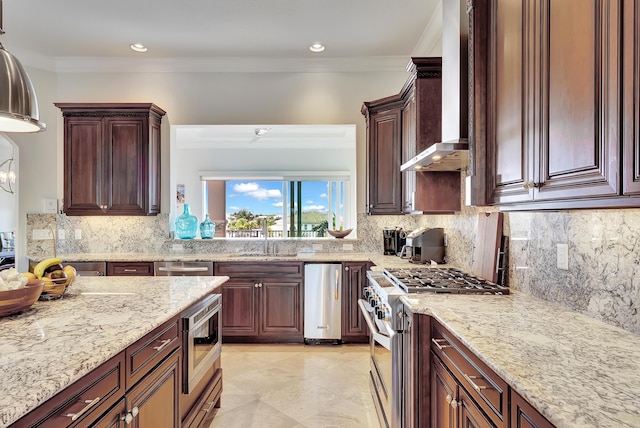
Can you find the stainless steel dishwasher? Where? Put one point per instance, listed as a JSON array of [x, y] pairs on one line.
[[183, 268], [322, 298]]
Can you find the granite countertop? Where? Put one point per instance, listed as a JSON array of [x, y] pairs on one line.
[[577, 371], [54, 343], [377, 258]]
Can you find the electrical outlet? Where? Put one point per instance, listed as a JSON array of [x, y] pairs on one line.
[[563, 256], [40, 234], [177, 247], [78, 234], [61, 234], [347, 247], [317, 247]]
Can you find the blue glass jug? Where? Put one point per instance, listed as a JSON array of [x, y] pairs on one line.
[[207, 228], [186, 224]]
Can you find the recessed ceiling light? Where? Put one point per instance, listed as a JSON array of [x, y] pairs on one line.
[[316, 47], [138, 47]]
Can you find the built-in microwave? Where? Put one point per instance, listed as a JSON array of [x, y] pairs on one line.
[[202, 340]]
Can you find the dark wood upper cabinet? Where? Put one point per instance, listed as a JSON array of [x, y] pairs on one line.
[[111, 158], [553, 84], [384, 155], [398, 128]]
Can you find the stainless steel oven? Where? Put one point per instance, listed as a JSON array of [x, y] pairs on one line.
[[385, 367], [202, 340]]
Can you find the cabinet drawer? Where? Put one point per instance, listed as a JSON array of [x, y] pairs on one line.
[[149, 351], [203, 411], [130, 268], [482, 383], [83, 401], [258, 269]]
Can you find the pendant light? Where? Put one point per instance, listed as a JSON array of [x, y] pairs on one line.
[[18, 103]]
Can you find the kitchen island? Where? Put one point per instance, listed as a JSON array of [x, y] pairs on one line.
[[574, 370], [55, 343]]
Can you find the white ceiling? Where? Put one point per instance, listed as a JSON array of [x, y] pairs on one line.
[[246, 35]]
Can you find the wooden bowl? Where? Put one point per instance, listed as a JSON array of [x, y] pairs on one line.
[[14, 301], [55, 288], [339, 233]]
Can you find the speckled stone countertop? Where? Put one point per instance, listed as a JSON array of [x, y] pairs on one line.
[[576, 370], [54, 343], [378, 259]]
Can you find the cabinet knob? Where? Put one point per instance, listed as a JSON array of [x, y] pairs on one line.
[[346, 268], [255, 284], [454, 404], [449, 398]]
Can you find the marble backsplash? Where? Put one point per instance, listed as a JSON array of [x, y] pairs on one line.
[[600, 281]]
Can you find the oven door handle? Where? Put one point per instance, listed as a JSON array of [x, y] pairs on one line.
[[377, 336]]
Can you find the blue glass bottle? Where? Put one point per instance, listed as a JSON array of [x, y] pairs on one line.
[[186, 224], [207, 228]]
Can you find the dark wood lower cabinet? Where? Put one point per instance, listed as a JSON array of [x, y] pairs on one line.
[[113, 418], [523, 415], [354, 279], [156, 397], [262, 302]]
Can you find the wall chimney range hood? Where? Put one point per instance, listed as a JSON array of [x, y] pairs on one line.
[[453, 152]]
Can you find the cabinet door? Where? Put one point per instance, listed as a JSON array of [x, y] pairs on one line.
[[354, 279], [580, 98], [281, 312], [156, 396], [523, 415], [409, 150], [510, 147], [127, 169], [444, 394], [470, 414], [631, 91], [114, 418], [240, 309], [384, 157], [84, 159]]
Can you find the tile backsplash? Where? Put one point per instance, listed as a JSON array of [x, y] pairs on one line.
[[603, 246]]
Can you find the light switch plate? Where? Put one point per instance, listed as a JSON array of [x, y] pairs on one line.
[[317, 247], [50, 206], [78, 234], [61, 234], [40, 234], [177, 247], [563, 256], [347, 247]]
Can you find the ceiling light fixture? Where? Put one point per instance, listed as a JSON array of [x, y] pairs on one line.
[[18, 103], [317, 47], [138, 47]]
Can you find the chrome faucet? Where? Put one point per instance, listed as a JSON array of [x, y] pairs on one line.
[[265, 234]]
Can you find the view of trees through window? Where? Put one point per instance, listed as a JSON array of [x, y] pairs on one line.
[[290, 208]]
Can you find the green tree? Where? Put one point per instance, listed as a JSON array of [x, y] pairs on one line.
[[321, 229]]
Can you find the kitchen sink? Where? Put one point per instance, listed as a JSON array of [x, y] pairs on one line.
[[268, 255]]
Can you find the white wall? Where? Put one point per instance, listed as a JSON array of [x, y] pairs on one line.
[[8, 201]]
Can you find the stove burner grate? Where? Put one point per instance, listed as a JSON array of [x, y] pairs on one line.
[[441, 280]]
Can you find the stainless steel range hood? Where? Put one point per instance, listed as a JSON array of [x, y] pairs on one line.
[[452, 153]]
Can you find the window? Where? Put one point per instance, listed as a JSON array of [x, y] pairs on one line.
[[295, 208]]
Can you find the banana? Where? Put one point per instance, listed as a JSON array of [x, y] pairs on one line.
[[39, 269]]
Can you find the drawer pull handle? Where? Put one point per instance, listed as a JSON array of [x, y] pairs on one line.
[[89, 405], [130, 270], [210, 405], [473, 384], [438, 345], [164, 344]]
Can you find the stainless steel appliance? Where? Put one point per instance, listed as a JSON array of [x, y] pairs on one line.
[[322, 303], [384, 313], [88, 268], [202, 340], [427, 244], [394, 240], [183, 268]]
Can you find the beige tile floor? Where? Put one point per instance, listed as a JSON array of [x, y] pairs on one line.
[[287, 386]]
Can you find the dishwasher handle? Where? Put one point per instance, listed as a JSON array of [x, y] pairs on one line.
[[183, 269]]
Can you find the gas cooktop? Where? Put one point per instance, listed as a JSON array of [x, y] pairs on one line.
[[441, 280]]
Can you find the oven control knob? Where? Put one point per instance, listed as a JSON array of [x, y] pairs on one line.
[[367, 292], [382, 312], [374, 300]]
